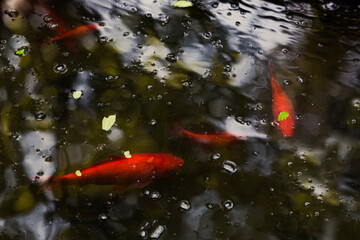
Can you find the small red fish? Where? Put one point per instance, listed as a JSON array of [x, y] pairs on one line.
[[282, 107], [76, 32], [140, 169], [59, 25], [224, 138], [56, 24]]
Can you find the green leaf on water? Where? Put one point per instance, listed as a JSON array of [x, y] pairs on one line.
[[182, 4], [77, 94], [20, 52], [127, 154], [283, 116], [108, 122]]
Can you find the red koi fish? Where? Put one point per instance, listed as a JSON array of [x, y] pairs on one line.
[[76, 32], [282, 107], [60, 26], [219, 139], [140, 169]]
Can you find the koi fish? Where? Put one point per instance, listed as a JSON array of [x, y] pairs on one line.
[[224, 138], [76, 32], [282, 107], [60, 25], [139, 169]]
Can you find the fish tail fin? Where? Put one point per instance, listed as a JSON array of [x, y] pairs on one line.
[[52, 184], [274, 84], [177, 128], [271, 72]]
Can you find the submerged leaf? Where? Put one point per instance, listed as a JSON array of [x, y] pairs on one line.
[[108, 122], [182, 4], [283, 116]]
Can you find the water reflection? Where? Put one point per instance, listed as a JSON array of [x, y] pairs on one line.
[[207, 67]]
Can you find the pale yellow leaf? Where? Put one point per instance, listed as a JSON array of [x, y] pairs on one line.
[[108, 122], [127, 154], [77, 94]]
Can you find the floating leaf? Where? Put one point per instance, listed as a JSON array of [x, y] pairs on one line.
[[283, 116], [127, 154], [77, 94], [108, 122], [78, 173], [182, 4], [20, 52]]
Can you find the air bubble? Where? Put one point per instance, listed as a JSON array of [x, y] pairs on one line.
[[207, 35], [60, 68], [286, 82], [300, 79], [229, 166], [103, 39], [240, 120], [215, 156], [171, 57], [9, 69], [40, 116], [47, 18], [184, 205], [143, 234], [215, 4], [13, 136], [52, 26], [155, 195], [228, 204], [48, 159], [209, 205], [12, 13], [331, 6], [157, 232], [102, 216], [152, 122]]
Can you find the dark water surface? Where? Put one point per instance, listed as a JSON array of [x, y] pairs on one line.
[[205, 67]]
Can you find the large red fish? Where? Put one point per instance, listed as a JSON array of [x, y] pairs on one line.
[[76, 32], [219, 139], [140, 169], [282, 107]]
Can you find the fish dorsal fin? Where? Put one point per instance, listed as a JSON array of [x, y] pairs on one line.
[[109, 159]]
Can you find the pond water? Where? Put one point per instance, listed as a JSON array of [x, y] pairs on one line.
[[205, 69]]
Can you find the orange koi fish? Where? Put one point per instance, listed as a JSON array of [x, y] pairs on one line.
[[76, 32], [140, 169], [282, 107], [219, 139]]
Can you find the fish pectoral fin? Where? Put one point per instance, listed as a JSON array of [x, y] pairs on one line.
[[144, 183]]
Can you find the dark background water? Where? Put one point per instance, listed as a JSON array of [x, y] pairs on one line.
[[207, 67]]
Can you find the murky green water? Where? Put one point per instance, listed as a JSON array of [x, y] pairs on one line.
[[206, 67]]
